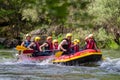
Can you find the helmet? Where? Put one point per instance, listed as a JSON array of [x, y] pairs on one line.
[[75, 43], [37, 38], [49, 37], [27, 35], [55, 40], [90, 35], [76, 40], [68, 34]]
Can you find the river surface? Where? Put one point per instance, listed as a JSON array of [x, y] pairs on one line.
[[109, 69]]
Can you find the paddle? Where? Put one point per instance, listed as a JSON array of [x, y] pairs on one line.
[[25, 51], [20, 48], [58, 54]]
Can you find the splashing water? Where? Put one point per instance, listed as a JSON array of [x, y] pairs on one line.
[[10, 69], [111, 65]]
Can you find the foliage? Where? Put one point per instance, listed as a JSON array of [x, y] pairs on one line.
[[113, 45], [105, 11], [106, 14], [102, 35], [2, 46], [22, 16]]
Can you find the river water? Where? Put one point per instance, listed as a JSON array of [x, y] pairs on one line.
[[109, 69]]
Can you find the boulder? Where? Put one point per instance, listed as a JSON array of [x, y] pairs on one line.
[[2, 40], [9, 43]]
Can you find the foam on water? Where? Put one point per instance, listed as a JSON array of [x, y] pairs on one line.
[[111, 65], [24, 61]]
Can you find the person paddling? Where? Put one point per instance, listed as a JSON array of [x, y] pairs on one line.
[[76, 46], [55, 44], [65, 45], [90, 42], [48, 45], [35, 46], [27, 42]]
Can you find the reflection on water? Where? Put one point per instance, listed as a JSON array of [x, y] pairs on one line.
[[109, 69]]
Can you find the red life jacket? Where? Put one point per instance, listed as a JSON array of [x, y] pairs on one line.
[[49, 47], [55, 46], [67, 46], [90, 44], [36, 47], [76, 48]]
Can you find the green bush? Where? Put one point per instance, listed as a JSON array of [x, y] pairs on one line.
[[113, 45], [2, 46]]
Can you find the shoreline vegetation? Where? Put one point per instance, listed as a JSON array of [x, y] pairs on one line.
[[56, 18]]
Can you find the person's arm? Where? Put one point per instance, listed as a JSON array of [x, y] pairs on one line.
[[31, 44], [95, 45], [72, 45], [22, 44], [60, 45], [43, 45], [53, 47]]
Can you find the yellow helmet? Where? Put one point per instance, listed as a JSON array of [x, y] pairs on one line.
[[75, 43], [68, 34], [49, 37], [76, 40], [55, 40], [37, 38]]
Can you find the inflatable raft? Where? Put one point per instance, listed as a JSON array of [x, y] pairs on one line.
[[85, 56], [27, 55]]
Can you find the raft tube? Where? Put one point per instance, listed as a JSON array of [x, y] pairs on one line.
[[85, 56]]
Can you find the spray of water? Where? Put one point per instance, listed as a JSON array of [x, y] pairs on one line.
[[111, 64]]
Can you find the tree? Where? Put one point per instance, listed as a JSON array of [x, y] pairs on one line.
[[10, 12], [107, 14]]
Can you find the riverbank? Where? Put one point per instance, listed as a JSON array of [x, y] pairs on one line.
[[103, 39]]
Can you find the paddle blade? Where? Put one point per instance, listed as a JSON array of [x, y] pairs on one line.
[[58, 54], [21, 48]]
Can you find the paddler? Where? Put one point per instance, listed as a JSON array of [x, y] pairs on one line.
[[35, 46], [47, 46], [90, 42], [76, 46], [27, 41], [65, 44], [55, 44]]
